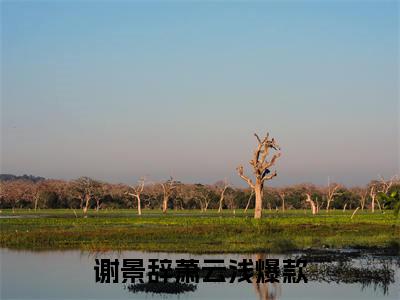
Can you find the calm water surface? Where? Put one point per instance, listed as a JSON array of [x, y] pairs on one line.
[[71, 275]]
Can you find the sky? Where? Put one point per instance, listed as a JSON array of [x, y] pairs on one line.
[[116, 90]]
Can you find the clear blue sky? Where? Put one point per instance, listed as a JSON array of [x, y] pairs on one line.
[[117, 90]]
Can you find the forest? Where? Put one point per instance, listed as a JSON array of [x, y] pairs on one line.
[[30, 192]]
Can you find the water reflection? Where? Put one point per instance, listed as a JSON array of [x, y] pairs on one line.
[[70, 275], [340, 268], [266, 290], [162, 288], [375, 271]]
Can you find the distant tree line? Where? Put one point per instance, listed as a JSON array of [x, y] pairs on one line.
[[87, 193], [6, 177]]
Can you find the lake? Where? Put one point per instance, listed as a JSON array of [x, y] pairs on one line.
[[71, 275]]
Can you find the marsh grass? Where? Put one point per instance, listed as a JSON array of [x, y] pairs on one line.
[[196, 232]]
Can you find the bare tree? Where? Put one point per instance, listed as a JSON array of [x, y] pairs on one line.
[[84, 188], [362, 194], [386, 185], [331, 192], [204, 195], [376, 187], [168, 187], [36, 196], [372, 194], [261, 171], [312, 203], [363, 198], [102, 190], [137, 191], [230, 199], [222, 188]]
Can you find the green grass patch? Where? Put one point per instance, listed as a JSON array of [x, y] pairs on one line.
[[196, 232]]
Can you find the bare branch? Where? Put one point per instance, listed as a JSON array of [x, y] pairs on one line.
[[258, 138], [269, 177], [269, 164], [244, 177]]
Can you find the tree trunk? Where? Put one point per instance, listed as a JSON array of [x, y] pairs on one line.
[[165, 204], [85, 209], [354, 212], [248, 202], [373, 203], [327, 205], [313, 206], [258, 191], [313, 209], [139, 206], [247, 206], [379, 204]]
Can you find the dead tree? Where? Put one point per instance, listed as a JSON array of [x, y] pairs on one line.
[[222, 189], [377, 187], [261, 171], [206, 202], [36, 196], [204, 196], [331, 192], [363, 194], [137, 191], [168, 187], [248, 201], [85, 188], [372, 194], [386, 185], [102, 190], [313, 206]]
